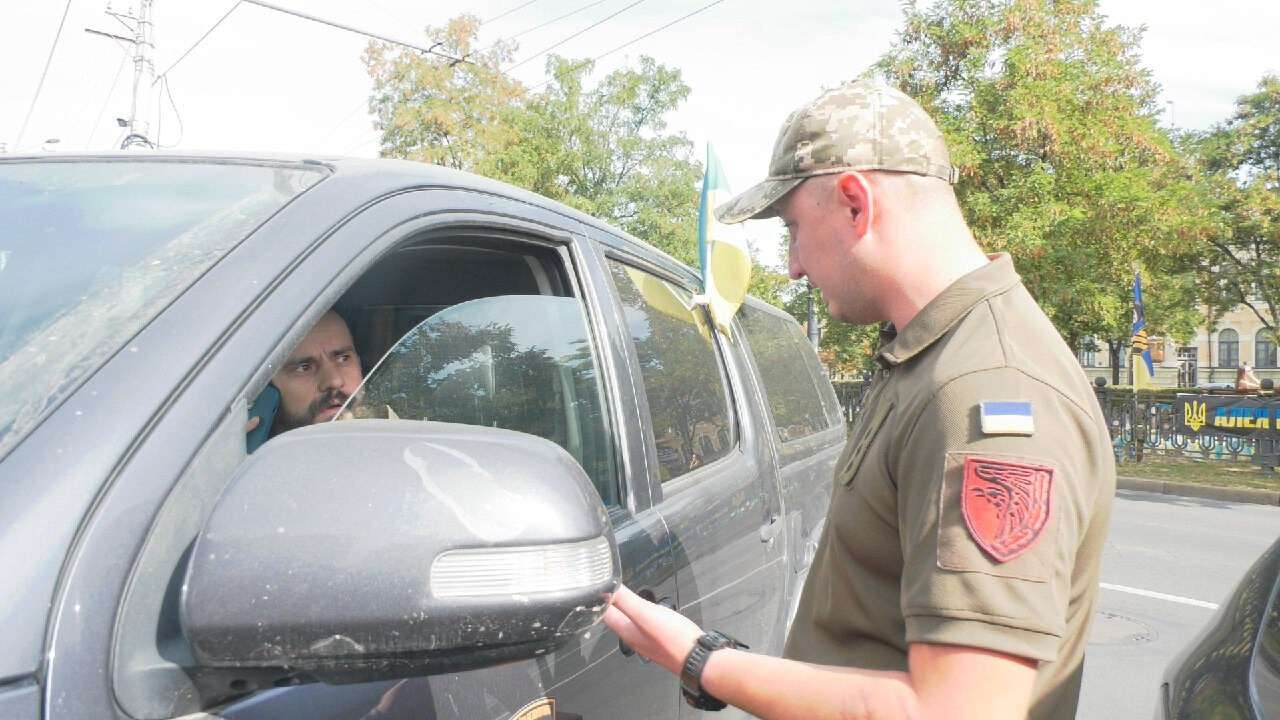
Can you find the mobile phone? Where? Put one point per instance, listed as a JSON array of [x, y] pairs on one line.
[[264, 408]]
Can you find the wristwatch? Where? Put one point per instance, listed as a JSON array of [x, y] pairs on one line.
[[691, 673]]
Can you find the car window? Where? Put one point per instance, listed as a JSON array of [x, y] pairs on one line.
[[90, 252], [519, 362], [790, 372], [692, 425]]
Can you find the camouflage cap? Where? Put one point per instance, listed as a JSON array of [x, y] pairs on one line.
[[862, 125]]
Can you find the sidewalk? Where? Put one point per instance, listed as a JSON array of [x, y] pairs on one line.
[[1206, 492]]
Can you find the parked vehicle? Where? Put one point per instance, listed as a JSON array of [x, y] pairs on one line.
[[545, 412], [1232, 669]]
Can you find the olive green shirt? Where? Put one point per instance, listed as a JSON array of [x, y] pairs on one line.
[[955, 523]]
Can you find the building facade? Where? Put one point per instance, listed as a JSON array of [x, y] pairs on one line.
[[1210, 359]]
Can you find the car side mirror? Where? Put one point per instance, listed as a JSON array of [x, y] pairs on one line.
[[359, 550]]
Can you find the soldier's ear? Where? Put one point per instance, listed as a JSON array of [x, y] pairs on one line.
[[859, 200]]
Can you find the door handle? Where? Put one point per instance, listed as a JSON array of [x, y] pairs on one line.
[[666, 602], [770, 529]]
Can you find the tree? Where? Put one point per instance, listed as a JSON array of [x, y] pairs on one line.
[[605, 150], [1242, 156], [1051, 119], [456, 114]]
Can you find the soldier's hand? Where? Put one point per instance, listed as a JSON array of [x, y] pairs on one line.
[[657, 633]]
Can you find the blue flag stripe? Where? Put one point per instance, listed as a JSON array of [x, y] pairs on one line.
[[1006, 407], [1140, 321]]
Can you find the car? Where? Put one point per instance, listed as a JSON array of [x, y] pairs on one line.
[[545, 412], [1232, 668]]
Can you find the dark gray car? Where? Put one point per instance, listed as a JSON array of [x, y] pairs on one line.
[[1232, 669], [545, 412]]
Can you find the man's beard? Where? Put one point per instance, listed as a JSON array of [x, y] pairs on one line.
[[287, 421]]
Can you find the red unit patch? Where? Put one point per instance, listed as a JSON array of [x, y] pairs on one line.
[[1006, 504]]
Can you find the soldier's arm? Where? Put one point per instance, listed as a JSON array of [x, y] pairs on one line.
[[943, 681]]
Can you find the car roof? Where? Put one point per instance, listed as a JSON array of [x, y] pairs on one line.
[[380, 175]]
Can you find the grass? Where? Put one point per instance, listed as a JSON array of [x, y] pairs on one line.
[[1189, 469]]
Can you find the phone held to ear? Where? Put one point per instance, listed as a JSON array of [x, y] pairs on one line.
[[264, 408]]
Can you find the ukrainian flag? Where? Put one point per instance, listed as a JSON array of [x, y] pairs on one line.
[[722, 250], [1144, 372]]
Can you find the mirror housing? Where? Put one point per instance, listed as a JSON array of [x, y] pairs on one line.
[[365, 549]]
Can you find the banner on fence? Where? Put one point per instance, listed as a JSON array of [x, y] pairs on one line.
[[1228, 414]]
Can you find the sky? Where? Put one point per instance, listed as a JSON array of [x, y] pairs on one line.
[[266, 81]]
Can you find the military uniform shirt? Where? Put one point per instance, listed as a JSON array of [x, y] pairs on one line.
[[972, 499]]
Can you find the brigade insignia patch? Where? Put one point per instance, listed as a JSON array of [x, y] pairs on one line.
[[542, 709], [1006, 504]]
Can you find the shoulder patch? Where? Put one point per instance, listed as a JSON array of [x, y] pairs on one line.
[[1006, 417], [1006, 504]]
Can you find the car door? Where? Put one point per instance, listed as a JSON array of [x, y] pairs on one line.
[[804, 418], [719, 492], [116, 646]]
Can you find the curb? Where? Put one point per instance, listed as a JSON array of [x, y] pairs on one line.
[[1203, 492]]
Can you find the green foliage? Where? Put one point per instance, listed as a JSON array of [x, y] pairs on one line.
[[1241, 155], [605, 150], [459, 115], [1052, 121]]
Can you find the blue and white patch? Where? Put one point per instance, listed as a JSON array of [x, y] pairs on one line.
[[1007, 417]]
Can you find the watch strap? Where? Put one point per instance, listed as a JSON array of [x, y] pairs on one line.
[[691, 673]]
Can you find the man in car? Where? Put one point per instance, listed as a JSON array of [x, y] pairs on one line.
[[958, 566], [315, 381]]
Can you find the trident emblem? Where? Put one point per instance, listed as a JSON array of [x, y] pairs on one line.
[[1194, 414]]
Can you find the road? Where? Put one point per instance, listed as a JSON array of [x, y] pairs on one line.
[[1168, 562]]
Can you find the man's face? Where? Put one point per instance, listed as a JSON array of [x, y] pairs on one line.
[[319, 376], [822, 236]]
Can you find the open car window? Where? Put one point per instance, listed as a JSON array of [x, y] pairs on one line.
[[518, 362]]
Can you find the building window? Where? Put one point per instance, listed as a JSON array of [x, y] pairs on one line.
[[1228, 348], [1088, 353], [1264, 349]]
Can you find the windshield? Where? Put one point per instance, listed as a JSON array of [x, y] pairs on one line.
[[91, 251]]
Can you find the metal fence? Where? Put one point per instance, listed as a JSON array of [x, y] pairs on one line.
[[1146, 424], [1142, 424]]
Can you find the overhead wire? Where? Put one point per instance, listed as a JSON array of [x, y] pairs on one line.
[[168, 91], [592, 26], [629, 43], [44, 74], [94, 130], [362, 144], [554, 20], [343, 121], [196, 44], [518, 7]]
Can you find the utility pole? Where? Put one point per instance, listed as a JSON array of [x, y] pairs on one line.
[[814, 333], [144, 73]]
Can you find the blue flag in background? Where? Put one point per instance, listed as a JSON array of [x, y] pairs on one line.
[[1141, 346]]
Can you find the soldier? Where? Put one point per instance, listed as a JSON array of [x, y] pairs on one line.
[[958, 567]]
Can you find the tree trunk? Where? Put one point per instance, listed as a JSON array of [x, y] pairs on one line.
[[1114, 347]]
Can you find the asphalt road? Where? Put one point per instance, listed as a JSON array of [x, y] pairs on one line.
[[1168, 562]]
